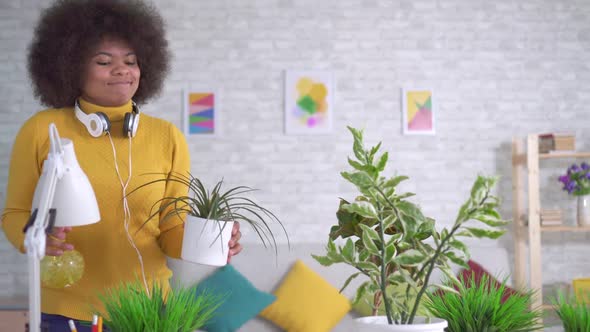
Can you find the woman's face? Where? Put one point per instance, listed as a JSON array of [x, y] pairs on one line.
[[111, 75]]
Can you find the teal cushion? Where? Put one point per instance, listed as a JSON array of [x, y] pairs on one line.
[[242, 301]]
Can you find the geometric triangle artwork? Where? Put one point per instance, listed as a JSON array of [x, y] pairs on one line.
[[418, 111]]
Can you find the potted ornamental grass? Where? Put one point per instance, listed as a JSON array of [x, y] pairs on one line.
[[390, 242], [573, 312], [210, 215], [128, 307], [479, 306]]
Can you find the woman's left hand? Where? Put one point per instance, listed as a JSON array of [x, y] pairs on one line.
[[234, 245]]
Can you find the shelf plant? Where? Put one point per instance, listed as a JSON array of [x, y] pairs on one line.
[[215, 205], [478, 307], [129, 308], [389, 241], [576, 180]]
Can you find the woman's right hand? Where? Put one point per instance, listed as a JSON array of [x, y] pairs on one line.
[[56, 241]]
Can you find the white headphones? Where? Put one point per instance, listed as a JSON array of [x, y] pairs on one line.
[[98, 124]]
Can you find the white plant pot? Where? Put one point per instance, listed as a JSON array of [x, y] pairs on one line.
[[206, 241], [379, 324], [584, 210]]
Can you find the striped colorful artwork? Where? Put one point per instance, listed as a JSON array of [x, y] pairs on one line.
[[201, 113]]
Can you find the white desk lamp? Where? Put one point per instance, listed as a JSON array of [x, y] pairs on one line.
[[63, 189]]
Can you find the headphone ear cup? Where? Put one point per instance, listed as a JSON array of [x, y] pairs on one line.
[[104, 121], [97, 124], [130, 124]]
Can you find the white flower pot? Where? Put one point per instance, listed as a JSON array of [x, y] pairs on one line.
[[379, 324], [206, 241]]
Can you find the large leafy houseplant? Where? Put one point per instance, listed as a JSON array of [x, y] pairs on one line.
[[391, 242], [217, 204], [129, 308], [478, 307]]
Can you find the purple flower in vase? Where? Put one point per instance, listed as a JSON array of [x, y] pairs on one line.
[[570, 187], [564, 179], [576, 181]]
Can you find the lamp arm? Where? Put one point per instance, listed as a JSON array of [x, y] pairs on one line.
[[35, 231], [35, 236]]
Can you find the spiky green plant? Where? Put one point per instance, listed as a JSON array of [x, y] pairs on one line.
[[478, 307], [129, 308], [216, 204], [574, 314], [391, 242]]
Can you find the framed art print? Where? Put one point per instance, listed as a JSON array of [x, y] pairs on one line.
[[418, 112], [201, 112], [309, 102]]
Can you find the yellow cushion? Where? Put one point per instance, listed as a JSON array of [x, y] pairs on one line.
[[306, 302]]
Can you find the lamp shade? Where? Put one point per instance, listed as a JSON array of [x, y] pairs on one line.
[[74, 198]]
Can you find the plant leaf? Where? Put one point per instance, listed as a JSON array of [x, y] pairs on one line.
[[481, 233], [411, 257], [349, 251], [323, 260], [364, 209]]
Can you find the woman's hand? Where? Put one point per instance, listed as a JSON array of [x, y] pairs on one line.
[[55, 244], [234, 245]]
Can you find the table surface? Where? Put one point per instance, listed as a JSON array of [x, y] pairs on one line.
[[14, 303]]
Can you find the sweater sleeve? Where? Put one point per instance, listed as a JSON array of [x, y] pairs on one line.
[[172, 229], [23, 174]]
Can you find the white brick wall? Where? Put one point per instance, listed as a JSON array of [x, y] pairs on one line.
[[499, 69]]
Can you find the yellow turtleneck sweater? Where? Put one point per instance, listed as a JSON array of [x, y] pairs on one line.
[[158, 147]]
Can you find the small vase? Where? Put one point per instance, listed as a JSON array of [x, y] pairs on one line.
[[584, 210]]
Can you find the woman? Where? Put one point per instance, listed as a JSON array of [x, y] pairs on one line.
[[101, 56]]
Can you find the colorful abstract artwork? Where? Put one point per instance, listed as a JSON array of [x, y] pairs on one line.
[[201, 113], [418, 111], [308, 102]]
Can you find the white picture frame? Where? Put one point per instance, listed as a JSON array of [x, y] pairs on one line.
[[418, 111], [309, 102], [201, 114]]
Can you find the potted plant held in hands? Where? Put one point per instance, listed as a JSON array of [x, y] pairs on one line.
[[391, 243], [210, 215]]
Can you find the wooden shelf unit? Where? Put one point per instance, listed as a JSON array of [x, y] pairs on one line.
[[527, 162], [565, 228]]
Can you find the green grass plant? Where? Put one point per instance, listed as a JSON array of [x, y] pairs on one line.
[[575, 315], [128, 308], [219, 204], [478, 307]]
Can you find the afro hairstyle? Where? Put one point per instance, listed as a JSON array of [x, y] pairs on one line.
[[69, 30]]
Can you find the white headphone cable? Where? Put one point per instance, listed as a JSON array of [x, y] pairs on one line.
[[127, 211]]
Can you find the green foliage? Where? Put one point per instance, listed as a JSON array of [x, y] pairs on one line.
[[575, 315], [215, 204], [366, 306], [129, 308], [478, 307], [390, 241]]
